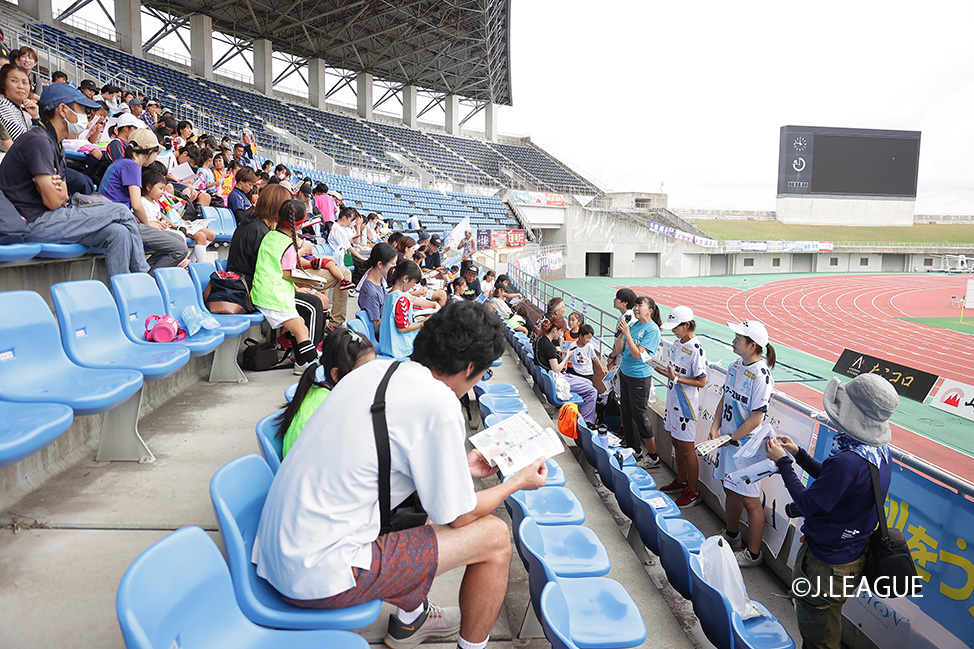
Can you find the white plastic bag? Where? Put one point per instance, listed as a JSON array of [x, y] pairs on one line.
[[563, 389], [720, 569]]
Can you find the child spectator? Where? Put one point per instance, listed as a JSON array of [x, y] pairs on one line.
[[548, 356], [372, 289], [500, 306], [397, 327], [457, 287], [273, 291], [686, 373], [205, 178], [575, 320], [453, 273], [153, 192], [487, 283], [521, 320], [747, 392], [342, 351], [583, 355], [237, 200], [224, 179], [122, 183]]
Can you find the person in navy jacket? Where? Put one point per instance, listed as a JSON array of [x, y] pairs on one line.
[[840, 506]]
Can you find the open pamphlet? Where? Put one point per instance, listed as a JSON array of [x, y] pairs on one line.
[[195, 226], [183, 174], [304, 278], [516, 442], [706, 448]]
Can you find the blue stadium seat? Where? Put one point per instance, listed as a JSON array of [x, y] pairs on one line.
[[717, 619], [569, 550], [61, 250], [35, 369], [605, 615], [178, 293], [547, 385], [555, 617], [19, 251], [624, 476], [547, 506], [271, 446], [137, 297], [200, 273], [92, 336], [221, 263], [238, 490], [646, 505], [500, 405], [178, 593], [678, 539], [496, 389], [27, 428]]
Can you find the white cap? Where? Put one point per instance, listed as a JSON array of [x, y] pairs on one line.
[[752, 329], [130, 120], [678, 316]]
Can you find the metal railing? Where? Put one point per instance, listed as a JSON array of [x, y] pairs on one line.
[[92, 28], [538, 292]]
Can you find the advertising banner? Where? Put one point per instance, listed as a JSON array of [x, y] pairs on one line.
[[910, 383], [498, 238], [955, 398], [515, 238], [539, 199], [483, 239]]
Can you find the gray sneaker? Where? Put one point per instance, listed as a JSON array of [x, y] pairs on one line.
[[434, 622], [646, 462], [744, 559], [735, 543]]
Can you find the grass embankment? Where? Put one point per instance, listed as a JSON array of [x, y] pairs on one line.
[[775, 231]]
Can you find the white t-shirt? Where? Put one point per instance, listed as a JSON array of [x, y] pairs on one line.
[[322, 512], [339, 238], [153, 211], [582, 359], [413, 222], [683, 401], [487, 288]]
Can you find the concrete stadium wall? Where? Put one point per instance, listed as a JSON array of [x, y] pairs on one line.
[[729, 215], [823, 210]]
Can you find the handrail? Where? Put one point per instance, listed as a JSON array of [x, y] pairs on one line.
[[537, 290]]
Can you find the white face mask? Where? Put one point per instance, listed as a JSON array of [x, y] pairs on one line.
[[79, 127]]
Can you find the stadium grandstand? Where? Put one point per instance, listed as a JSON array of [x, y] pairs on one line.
[[175, 472]]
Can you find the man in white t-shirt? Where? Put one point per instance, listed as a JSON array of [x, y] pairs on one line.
[[318, 541]]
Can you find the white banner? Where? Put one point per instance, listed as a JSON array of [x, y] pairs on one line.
[[774, 496], [955, 398], [898, 624]]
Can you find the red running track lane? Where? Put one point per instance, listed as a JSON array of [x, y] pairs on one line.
[[822, 316]]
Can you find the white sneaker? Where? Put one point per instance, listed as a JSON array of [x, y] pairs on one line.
[[299, 369], [434, 622], [735, 543], [744, 559]]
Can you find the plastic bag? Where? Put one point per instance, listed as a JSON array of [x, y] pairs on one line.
[[195, 320], [720, 570], [563, 389]]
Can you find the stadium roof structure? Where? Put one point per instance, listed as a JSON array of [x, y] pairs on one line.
[[459, 47]]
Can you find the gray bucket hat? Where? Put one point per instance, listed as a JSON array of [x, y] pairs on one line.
[[862, 407]]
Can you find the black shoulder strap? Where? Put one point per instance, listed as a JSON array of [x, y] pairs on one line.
[[381, 429], [877, 492]]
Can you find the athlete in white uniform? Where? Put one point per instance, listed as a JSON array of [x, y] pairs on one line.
[[686, 374], [747, 392]]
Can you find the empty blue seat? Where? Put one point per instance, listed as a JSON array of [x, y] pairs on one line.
[[238, 490], [19, 251], [603, 613], [569, 550], [271, 446], [678, 539], [178, 593], [92, 336], [27, 428], [35, 369], [555, 617], [646, 505], [624, 476], [547, 506], [490, 405], [717, 619], [495, 389]]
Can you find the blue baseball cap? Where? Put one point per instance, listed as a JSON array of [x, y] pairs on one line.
[[61, 93]]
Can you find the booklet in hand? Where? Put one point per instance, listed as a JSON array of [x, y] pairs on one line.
[[711, 445], [516, 442]]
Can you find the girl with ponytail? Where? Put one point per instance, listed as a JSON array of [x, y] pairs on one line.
[[640, 336], [747, 393], [398, 327], [273, 290], [342, 352]]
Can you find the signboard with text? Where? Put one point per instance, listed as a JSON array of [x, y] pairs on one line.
[[910, 383]]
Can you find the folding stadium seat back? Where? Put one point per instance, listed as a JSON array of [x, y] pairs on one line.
[[26, 428], [271, 446], [678, 539]]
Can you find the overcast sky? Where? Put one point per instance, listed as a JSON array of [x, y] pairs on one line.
[[693, 94]]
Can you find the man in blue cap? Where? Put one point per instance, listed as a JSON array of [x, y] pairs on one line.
[[32, 177]]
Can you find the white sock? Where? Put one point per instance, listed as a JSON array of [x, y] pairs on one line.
[[463, 644], [407, 617], [199, 253]]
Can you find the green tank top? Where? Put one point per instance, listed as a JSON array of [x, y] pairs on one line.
[[316, 395], [270, 290]]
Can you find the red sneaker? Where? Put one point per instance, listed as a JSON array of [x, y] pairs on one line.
[[688, 499], [676, 485]]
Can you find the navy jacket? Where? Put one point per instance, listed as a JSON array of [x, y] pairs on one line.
[[839, 507]]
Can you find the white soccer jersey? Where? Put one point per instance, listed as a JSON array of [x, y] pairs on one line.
[[747, 388], [689, 361]]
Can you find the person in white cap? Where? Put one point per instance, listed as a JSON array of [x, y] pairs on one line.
[[840, 507], [686, 374], [747, 393]]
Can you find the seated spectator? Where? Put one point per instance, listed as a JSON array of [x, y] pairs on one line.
[[26, 59], [397, 326], [237, 199], [89, 142], [238, 156], [319, 541], [372, 234], [521, 320], [472, 292], [153, 193], [273, 291], [17, 109], [342, 351], [405, 246], [575, 320], [31, 177], [151, 113], [4, 50], [205, 178], [224, 179], [88, 89], [124, 127], [500, 306], [502, 282], [282, 172], [372, 289], [487, 283], [340, 240], [123, 184], [59, 77], [547, 354], [112, 95], [457, 288], [184, 133], [267, 167]]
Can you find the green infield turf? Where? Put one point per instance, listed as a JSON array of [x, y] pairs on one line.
[[954, 324], [775, 231]]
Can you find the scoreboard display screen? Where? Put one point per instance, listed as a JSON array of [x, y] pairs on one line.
[[816, 160], [865, 165]]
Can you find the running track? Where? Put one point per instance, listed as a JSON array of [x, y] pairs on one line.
[[822, 316]]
